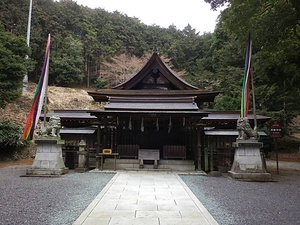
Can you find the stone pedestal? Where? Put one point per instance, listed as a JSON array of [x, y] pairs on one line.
[[247, 164], [48, 159]]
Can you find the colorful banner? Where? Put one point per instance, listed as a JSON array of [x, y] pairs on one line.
[[39, 97], [246, 81]]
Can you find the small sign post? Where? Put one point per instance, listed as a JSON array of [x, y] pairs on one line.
[[276, 133], [276, 130]]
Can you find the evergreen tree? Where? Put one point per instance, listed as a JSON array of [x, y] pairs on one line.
[[13, 65]]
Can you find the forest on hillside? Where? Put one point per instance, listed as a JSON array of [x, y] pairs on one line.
[[87, 42]]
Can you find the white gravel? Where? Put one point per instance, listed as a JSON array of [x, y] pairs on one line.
[[47, 201], [234, 202], [61, 200]]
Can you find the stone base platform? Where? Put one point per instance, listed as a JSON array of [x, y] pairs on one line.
[[248, 164], [36, 172], [48, 159], [163, 165], [81, 170], [256, 177]]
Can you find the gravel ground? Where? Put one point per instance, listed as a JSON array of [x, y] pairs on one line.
[[61, 200], [45, 200], [249, 203]]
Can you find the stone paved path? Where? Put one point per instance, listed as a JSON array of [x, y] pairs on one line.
[[145, 198]]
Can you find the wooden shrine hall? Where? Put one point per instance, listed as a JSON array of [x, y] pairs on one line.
[[155, 110], [154, 117]]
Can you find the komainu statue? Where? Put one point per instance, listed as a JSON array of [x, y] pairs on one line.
[[245, 130], [52, 128]]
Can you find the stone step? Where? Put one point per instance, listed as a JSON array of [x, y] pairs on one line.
[[166, 165], [148, 169], [122, 161], [176, 162], [161, 162]]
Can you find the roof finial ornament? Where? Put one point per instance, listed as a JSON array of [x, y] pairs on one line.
[[155, 50]]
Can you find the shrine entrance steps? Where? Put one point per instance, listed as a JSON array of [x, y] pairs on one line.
[[163, 165]]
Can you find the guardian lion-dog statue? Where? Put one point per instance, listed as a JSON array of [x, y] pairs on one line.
[[52, 128], [245, 130]]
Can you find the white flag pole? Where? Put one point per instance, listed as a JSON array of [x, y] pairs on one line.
[[25, 80]]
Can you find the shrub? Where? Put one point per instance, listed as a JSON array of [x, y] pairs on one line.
[[10, 134]]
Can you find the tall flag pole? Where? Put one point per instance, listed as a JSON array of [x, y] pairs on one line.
[[253, 100], [25, 79], [246, 81], [39, 97]]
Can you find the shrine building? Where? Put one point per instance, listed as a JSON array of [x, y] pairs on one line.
[[155, 114]]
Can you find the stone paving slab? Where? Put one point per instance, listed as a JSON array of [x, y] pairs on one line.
[[152, 198]]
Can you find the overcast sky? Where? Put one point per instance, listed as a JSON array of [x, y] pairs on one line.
[[163, 13]]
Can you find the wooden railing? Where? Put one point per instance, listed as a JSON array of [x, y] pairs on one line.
[[128, 151], [174, 152]]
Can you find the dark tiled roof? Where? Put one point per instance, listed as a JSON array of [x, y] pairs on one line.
[[72, 114], [230, 116], [155, 79], [201, 95], [152, 103], [84, 130], [153, 113], [155, 63], [217, 132]]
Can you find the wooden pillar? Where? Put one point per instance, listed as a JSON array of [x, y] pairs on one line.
[[211, 160], [206, 159], [207, 148], [98, 149], [104, 141], [111, 142], [199, 148], [98, 139], [114, 146]]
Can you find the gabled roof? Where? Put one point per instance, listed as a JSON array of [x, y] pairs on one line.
[[155, 79], [155, 67]]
